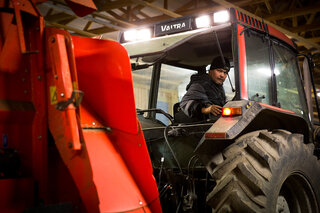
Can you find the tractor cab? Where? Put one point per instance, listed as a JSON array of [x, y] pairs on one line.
[[165, 55], [263, 88], [162, 66]]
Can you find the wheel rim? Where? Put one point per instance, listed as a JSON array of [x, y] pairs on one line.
[[296, 195]]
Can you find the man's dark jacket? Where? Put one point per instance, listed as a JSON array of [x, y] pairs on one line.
[[202, 92]]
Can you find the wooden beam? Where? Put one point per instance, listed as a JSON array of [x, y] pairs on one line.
[[184, 13], [116, 15], [67, 21], [301, 5], [111, 5], [267, 3], [57, 17], [137, 9], [304, 41], [110, 18], [81, 32], [295, 12], [100, 30], [247, 2], [257, 11], [185, 6], [129, 13], [316, 39], [88, 25], [196, 3], [164, 11], [143, 14], [165, 4], [88, 17], [294, 21], [126, 14], [305, 28], [311, 18], [48, 13]]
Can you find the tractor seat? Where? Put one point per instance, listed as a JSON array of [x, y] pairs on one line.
[[179, 116]]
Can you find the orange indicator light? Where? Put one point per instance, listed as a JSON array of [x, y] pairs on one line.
[[226, 111], [231, 111]]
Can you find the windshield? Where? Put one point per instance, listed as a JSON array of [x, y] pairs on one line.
[[258, 69], [289, 89], [178, 63], [172, 87]]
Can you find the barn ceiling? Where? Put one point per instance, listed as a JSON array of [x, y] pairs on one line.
[[298, 19]]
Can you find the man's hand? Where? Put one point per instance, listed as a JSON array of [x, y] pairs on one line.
[[213, 109]]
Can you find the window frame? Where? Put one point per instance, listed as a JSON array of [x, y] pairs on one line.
[[272, 41]]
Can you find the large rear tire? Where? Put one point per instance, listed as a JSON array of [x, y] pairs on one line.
[[267, 172]]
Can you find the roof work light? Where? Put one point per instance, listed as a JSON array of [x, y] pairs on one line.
[[221, 16], [203, 21], [135, 35], [130, 35]]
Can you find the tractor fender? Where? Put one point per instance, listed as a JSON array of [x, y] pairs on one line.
[[254, 116]]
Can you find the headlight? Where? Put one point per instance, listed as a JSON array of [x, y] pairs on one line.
[[134, 35], [221, 16], [203, 21]]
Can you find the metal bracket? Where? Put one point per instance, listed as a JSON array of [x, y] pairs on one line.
[[75, 99]]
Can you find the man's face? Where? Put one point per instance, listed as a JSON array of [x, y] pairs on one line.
[[218, 75]]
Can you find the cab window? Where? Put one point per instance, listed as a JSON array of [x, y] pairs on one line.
[[172, 87], [141, 82], [289, 87], [258, 68]]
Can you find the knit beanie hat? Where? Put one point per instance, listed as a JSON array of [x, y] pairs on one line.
[[217, 63]]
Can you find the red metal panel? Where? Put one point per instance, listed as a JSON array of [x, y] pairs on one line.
[[63, 124], [38, 93], [16, 194], [17, 14], [82, 7], [116, 187], [276, 108], [22, 111], [10, 55], [105, 77], [99, 172], [215, 135], [135, 153], [243, 64], [61, 88], [24, 5], [248, 20], [280, 35]]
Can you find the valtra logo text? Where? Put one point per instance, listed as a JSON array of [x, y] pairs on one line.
[[170, 27]]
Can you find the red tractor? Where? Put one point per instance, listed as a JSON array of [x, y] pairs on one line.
[[262, 154], [72, 139]]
